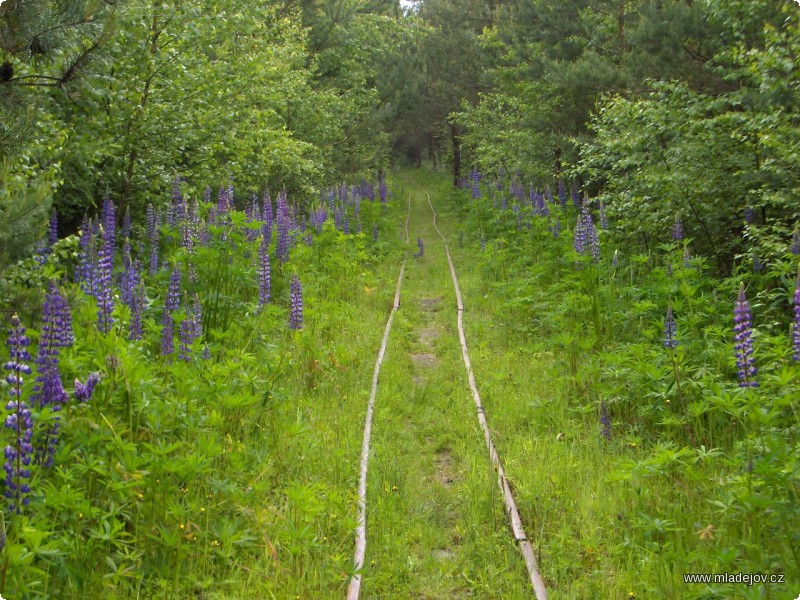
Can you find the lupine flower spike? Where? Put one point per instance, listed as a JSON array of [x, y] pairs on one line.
[[171, 304], [677, 229], [83, 392], [796, 321], [295, 304], [105, 264], [743, 341], [263, 273], [18, 453], [670, 328]]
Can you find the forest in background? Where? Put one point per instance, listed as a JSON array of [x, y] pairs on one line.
[[661, 108]]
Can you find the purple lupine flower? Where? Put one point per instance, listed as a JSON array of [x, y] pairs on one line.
[[542, 209], [171, 304], [186, 338], [345, 223], [83, 392], [677, 229], [592, 239], [476, 188], [18, 454], [796, 241], [548, 195], [222, 200], [749, 215], [743, 341], [580, 236], [322, 216], [562, 194], [195, 226], [421, 252], [295, 304], [382, 191], [105, 300], [206, 352], [557, 227], [517, 191], [132, 292], [670, 329], [56, 333], [283, 219], [153, 225], [758, 266], [86, 258], [605, 421], [207, 195], [125, 284], [108, 220], [151, 222], [49, 390], [796, 321], [603, 216], [576, 196], [189, 226], [181, 205], [264, 283], [187, 332], [337, 218]]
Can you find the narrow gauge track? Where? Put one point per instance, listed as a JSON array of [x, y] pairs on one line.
[[354, 588]]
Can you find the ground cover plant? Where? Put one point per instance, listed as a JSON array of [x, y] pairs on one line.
[[665, 395], [213, 376], [186, 368]]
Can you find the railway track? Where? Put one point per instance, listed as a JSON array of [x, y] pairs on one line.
[[515, 522]]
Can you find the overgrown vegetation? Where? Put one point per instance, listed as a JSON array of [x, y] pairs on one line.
[[628, 227], [649, 424]]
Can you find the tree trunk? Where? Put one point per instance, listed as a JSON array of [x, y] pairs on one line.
[[456, 154]]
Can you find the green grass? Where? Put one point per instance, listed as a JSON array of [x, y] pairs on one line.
[[436, 527], [237, 477]]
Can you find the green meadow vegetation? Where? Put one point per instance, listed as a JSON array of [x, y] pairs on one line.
[[202, 214]]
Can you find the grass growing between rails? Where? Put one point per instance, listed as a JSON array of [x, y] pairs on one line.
[[435, 521], [634, 460], [217, 460]]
